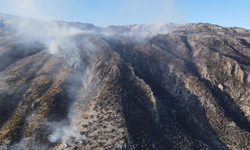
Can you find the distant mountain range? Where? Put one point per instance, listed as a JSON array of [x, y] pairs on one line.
[[72, 85]]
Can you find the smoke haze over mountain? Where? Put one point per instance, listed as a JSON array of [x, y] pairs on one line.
[[69, 85]]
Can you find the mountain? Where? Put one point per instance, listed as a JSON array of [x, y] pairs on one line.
[[71, 85]]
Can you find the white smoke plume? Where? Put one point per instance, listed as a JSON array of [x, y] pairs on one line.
[[64, 132], [59, 38]]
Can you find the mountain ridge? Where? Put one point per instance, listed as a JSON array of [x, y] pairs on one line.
[[78, 86]]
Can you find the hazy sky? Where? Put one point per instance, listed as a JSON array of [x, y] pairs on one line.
[[121, 12]]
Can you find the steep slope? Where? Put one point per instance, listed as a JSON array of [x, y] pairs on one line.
[[207, 74], [163, 86]]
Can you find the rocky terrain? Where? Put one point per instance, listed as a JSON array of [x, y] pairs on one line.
[[71, 85]]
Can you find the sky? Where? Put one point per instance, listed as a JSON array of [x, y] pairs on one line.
[[122, 12]]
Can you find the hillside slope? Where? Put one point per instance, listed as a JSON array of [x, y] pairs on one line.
[[78, 86]]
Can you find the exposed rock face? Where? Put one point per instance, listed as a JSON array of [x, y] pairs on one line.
[[125, 87]]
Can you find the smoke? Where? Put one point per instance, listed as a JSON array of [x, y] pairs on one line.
[[53, 34], [79, 52], [136, 32], [60, 39], [64, 132], [75, 47]]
